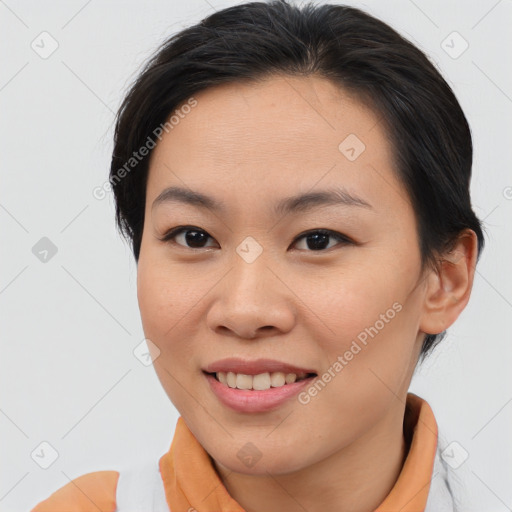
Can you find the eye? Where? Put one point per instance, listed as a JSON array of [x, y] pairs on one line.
[[317, 240], [195, 238], [192, 235]]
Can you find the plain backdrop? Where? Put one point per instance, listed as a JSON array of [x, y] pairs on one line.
[[69, 316]]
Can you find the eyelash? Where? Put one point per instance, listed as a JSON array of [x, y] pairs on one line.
[[171, 234]]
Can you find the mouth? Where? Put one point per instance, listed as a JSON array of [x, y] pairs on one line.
[[259, 382], [257, 393]]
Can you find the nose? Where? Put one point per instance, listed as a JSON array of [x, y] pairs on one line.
[[252, 301]]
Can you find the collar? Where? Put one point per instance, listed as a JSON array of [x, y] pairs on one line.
[[191, 482]]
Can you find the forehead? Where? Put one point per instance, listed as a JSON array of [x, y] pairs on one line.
[[282, 134]]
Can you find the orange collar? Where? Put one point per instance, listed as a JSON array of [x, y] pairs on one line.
[[410, 492], [190, 479]]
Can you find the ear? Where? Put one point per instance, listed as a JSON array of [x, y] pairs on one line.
[[449, 287]]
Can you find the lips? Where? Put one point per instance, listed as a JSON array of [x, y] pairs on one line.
[[249, 401], [255, 367]]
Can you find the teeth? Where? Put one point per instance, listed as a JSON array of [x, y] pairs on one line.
[[258, 382]]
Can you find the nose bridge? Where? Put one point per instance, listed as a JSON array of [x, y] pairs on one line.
[[251, 297], [249, 276]]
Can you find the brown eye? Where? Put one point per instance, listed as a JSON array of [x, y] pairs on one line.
[[191, 237], [318, 239]]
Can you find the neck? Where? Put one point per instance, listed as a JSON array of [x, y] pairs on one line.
[[355, 478]]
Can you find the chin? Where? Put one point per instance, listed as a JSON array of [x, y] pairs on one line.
[[259, 465]]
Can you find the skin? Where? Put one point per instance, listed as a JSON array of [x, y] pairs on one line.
[[250, 145]]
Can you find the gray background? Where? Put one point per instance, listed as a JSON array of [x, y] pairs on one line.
[[70, 324]]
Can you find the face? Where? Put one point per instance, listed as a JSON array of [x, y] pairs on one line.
[[250, 280]]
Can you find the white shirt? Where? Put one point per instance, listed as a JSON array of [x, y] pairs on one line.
[[140, 488]]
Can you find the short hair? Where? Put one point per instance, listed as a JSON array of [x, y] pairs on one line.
[[430, 137]]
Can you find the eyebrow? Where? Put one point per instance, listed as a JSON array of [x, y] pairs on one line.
[[300, 203]]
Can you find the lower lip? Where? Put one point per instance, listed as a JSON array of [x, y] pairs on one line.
[[248, 400]]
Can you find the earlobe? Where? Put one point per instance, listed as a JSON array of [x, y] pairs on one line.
[[449, 288]]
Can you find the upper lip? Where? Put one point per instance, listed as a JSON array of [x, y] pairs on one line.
[[253, 367]]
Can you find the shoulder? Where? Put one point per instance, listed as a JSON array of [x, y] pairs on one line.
[[91, 492], [137, 487], [450, 489]]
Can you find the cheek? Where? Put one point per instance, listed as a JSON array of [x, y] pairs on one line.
[[350, 302], [166, 308], [171, 302], [372, 323], [163, 297], [154, 297]]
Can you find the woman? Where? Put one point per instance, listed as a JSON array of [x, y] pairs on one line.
[[294, 182]]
